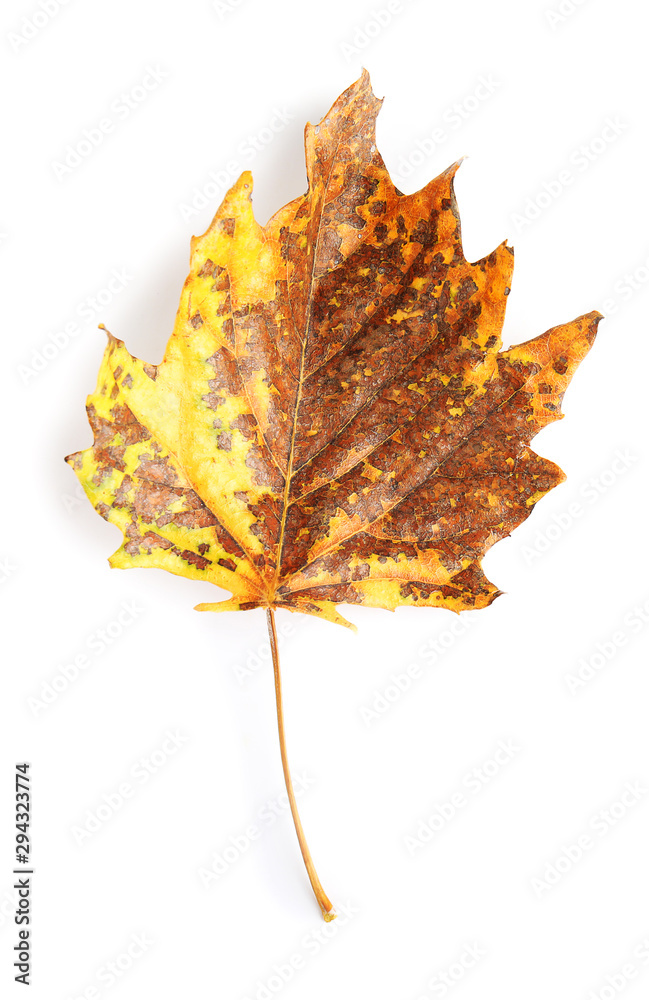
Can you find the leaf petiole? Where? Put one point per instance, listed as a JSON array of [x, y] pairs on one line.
[[324, 903]]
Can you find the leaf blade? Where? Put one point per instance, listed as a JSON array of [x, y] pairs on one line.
[[334, 420]]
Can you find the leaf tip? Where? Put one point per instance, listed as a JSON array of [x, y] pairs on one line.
[[450, 172], [245, 180], [364, 83], [594, 319]]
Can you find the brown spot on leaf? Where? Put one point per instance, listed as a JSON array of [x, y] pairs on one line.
[[206, 269]]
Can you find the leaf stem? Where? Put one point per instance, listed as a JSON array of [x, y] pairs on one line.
[[324, 903]]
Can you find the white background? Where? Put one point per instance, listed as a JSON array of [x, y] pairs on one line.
[[572, 574]]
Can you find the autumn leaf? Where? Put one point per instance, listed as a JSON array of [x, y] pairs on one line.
[[334, 420]]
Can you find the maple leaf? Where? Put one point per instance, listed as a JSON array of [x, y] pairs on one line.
[[334, 420]]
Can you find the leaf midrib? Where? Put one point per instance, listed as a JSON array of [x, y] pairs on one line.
[[305, 340]]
